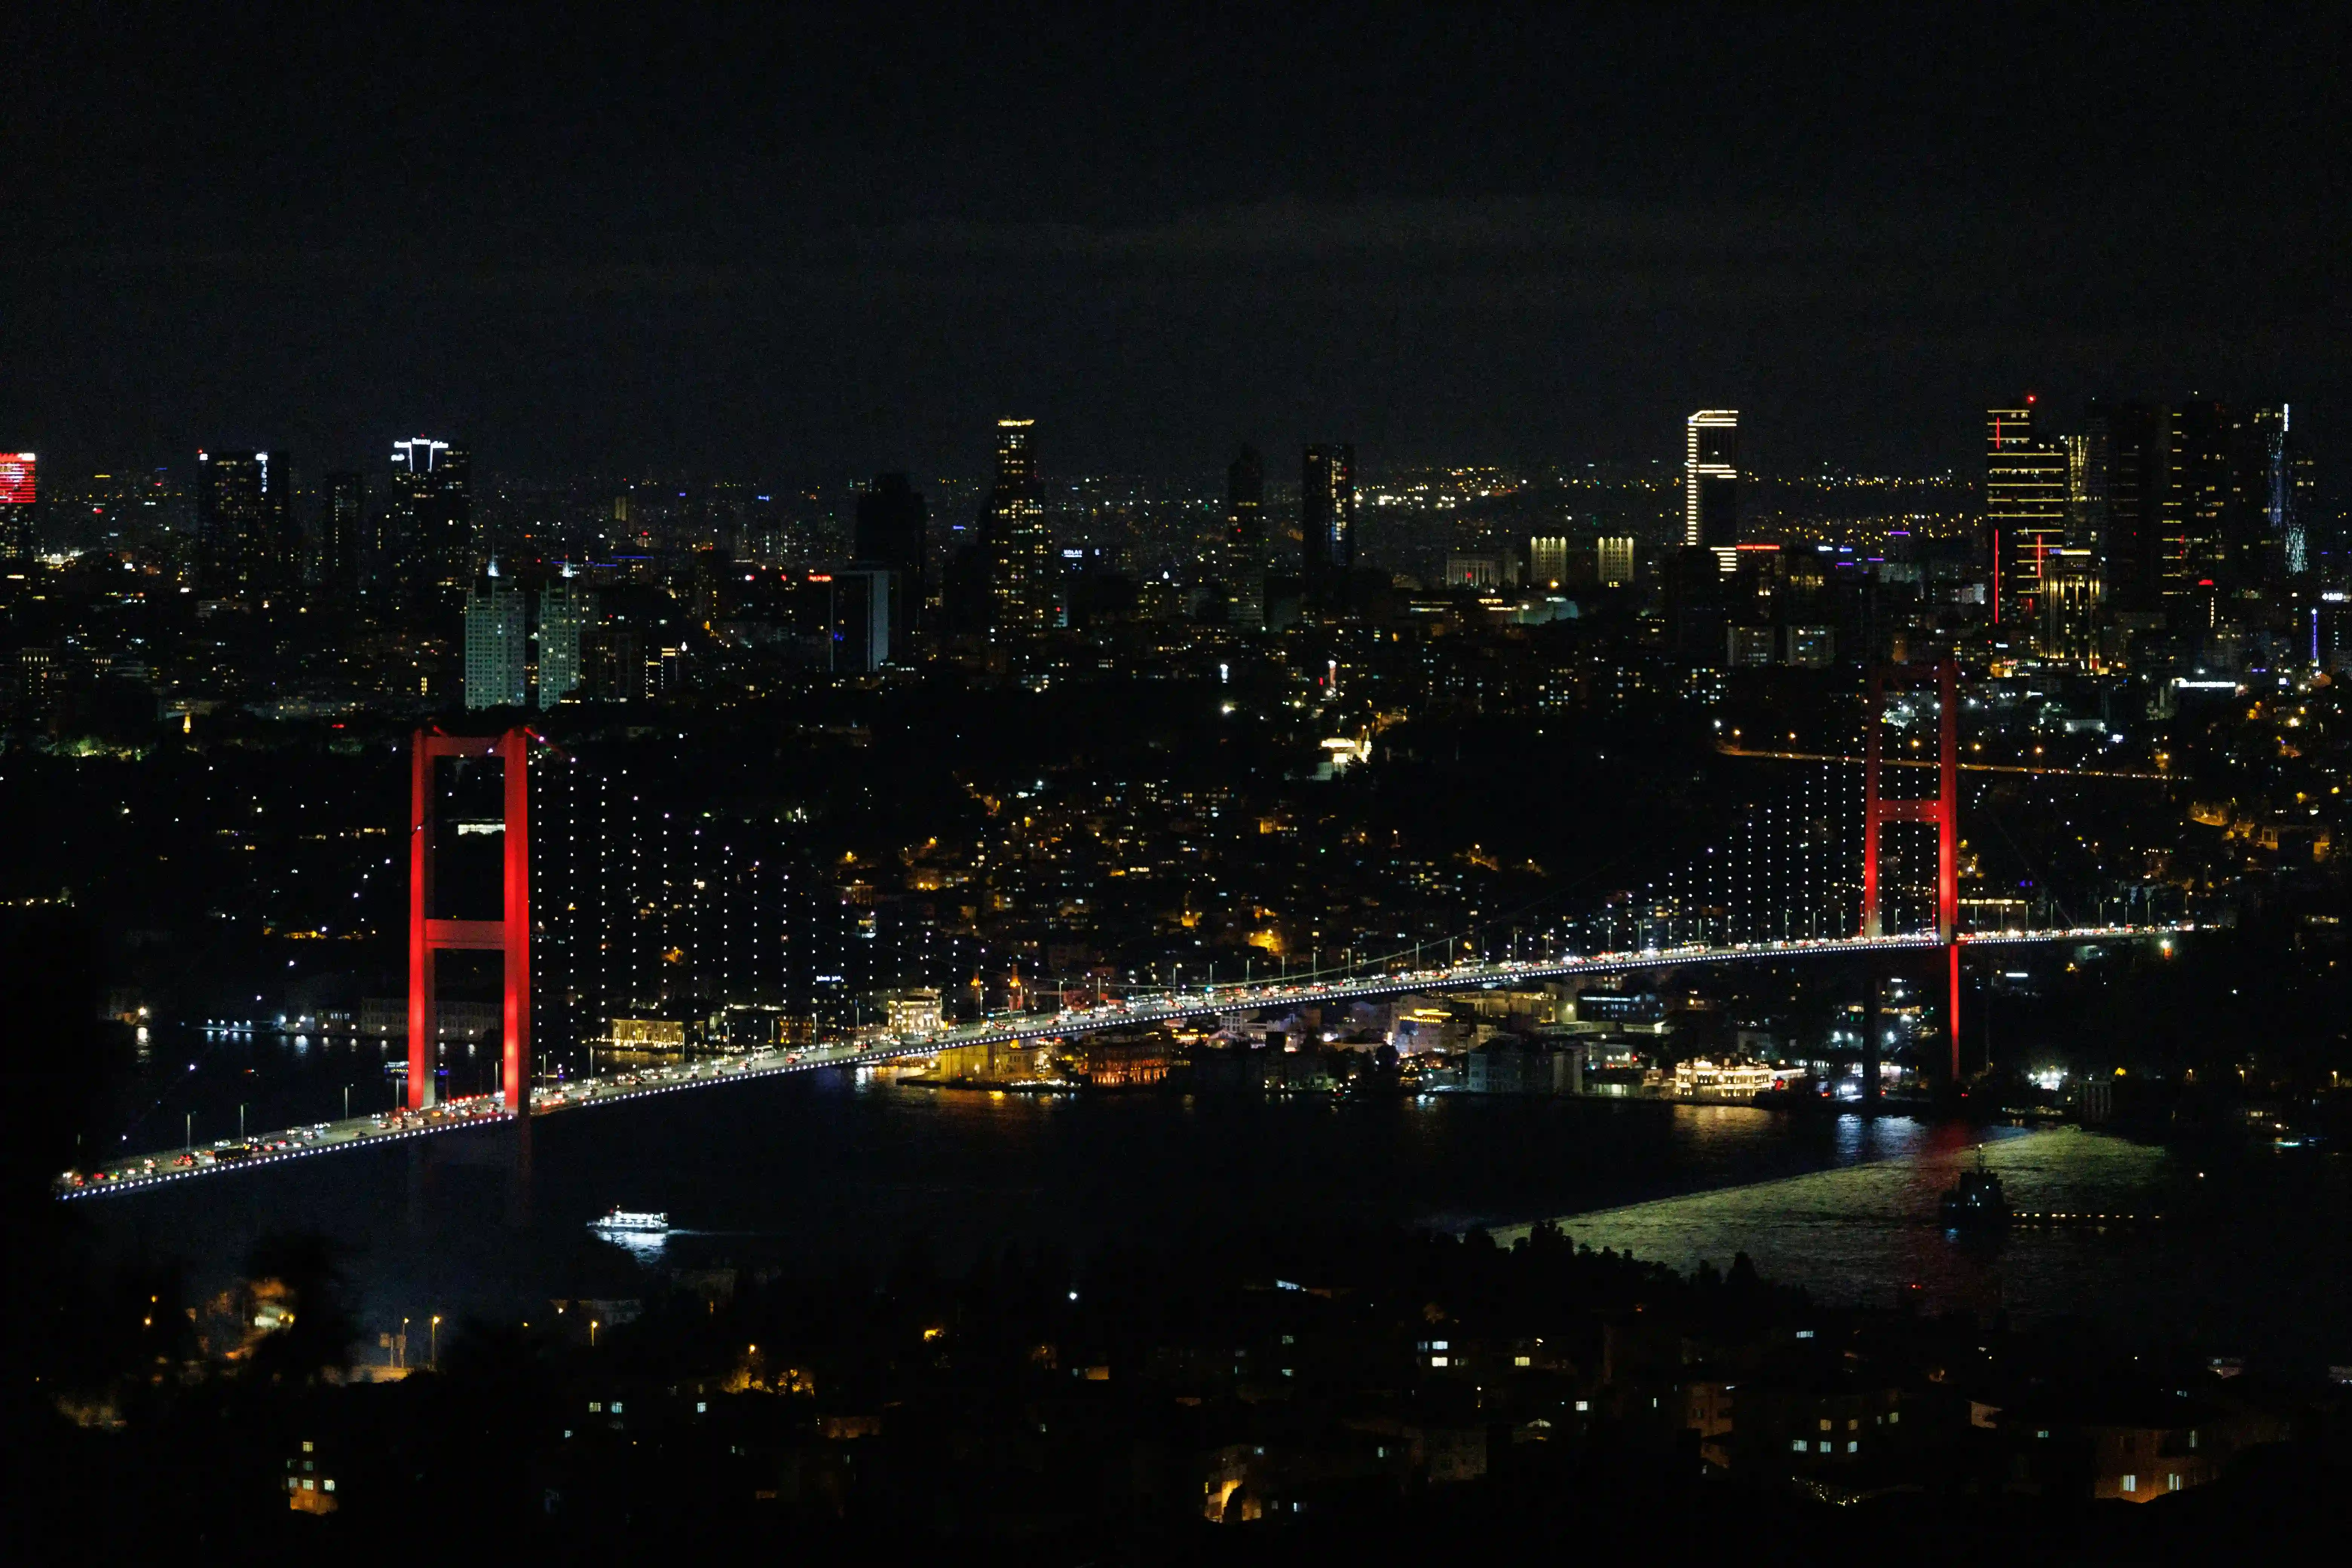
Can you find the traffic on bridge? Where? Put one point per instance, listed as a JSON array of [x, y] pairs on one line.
[[147, 1171]]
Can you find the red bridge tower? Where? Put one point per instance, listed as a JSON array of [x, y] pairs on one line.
[[1942, 808], [510, 934]]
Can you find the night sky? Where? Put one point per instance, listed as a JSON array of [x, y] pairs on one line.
[[739, 243]]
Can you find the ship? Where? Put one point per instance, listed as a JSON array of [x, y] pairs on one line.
[[1975, 1201], [631, 1224]]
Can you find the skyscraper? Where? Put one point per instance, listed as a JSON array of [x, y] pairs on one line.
[[892, 527], [18, 492], [1711, 482], [342, 530], [1613, 559], [2283, 489], [244, 539], [498, 644], [1018, 544], [2028, 492], [1327, 518], [429, 520], [1244, 566], [566, 611]]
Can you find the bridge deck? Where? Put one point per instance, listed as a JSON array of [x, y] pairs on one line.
[[145, 1171]]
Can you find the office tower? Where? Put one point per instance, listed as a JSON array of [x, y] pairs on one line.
[[2202, 501], [892, 527], [567, 610], [498, 644], [2066, 630], [245, 537], [342, 531], [429, 522], [1711, 482], [2027, 494], [860, 619], [1018, 546], [1245, 540], [18, 491], [1614, 559], [1327, 517], [1547, 562], [2281, 487]]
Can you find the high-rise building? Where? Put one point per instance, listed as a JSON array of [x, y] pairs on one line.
[[2028, 496], [1615, 559], [2066, 631], [567, 610], [1017, 543], [1327, 518], [342, 533], [1547, 562], [1245, 540], [245, 538], [18, 493], [1711, 482], [891, 526], [498, 643], [861, 625], [429, 515], [2282, 489]]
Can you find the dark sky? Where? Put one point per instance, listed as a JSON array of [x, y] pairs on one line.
[[757, 242]]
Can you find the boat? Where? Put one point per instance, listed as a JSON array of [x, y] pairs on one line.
[[1975, 1201], [629, 1222]]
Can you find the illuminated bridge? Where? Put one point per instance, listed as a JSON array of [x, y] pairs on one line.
[[1787, 884]]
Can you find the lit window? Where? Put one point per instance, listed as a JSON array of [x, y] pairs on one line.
[[1523, 1360], [1437, 1361], [617, 1408], [596, 1408], [329, 1484], [1825, 1423], [1854, 1447], [700, 1405], [2131, 1483], [1584, 1405], [1437, 1344], [1893, 1417], [1799, 1445], [1824, 1446], [2171, 1483]]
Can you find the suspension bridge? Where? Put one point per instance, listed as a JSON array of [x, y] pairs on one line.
[[1788, 883]]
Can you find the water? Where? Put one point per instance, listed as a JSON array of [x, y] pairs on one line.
[[814, 1170]]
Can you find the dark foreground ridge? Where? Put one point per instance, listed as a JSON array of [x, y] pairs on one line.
[[1381, 1396]]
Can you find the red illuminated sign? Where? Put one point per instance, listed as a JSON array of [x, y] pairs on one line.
[[15, 478]]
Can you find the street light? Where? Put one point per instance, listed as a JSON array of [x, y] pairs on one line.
[[435, 1333], [592, 1326]]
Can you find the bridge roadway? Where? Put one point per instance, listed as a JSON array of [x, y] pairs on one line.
[[141, 1173]]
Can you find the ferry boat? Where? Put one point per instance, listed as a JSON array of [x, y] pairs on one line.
[[625, 1222], [1975, 1201]]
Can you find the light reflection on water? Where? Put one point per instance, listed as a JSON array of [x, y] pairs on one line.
[[803, 1173]]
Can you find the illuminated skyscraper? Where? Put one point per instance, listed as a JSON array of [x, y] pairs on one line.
[[1327, 518], [1245, 540], [566, 611], [1615, 559], [429, 518], [1013, 535], [2282, 489], [246, 542], [18, 491], [498, 644], [2027, 496], [1711, 481]]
